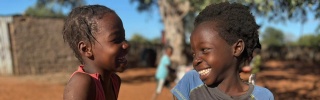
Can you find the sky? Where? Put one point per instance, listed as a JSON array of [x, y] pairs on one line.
[[148, 23]]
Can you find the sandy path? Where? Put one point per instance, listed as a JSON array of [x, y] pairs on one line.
[[287, 81]]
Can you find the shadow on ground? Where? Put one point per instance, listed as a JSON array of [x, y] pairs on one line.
[[291, 80], [138, 75]]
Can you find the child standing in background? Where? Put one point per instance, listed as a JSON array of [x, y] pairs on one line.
[[96, 35], [224, 37], [163, 70]]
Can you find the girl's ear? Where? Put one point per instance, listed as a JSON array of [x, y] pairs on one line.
[[238, 47], [85, 49]]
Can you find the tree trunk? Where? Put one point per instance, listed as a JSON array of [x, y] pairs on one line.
[[172, 13]]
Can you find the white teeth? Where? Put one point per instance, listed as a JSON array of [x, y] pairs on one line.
[[204, 72], [123, 57]]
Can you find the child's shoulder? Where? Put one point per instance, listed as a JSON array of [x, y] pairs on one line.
[[192, 73], [116, 77], [79, 85], [81, 80], [262, 93], [188, 83], [190, 77], [79, 76], [259, 89]]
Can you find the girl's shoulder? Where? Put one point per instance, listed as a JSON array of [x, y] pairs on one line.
[[116, 79], [186, 85], [80, 85], [262, 93], [82, 80], [79, 76]]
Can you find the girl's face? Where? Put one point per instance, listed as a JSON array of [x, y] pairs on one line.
[[169, 51], [111, 48], [213, 57]]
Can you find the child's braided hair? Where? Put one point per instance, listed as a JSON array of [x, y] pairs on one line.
[[81, 25]]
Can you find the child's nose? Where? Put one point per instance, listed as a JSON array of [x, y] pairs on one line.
[[196, 60], [125, 45]]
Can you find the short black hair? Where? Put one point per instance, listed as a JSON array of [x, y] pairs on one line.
[[166, 47], [81, 25], [234, 21]]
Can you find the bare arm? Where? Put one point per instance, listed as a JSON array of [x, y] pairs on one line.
[[80, 87]]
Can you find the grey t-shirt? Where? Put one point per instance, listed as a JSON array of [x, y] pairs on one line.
[[207, 93]]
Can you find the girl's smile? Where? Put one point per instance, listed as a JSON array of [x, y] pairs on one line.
[[111, 48], [212, 54]]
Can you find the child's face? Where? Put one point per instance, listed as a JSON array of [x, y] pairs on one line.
[[169, 51], [110, 49], [212, 54]]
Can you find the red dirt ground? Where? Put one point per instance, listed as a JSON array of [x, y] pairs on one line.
[[287, 81]]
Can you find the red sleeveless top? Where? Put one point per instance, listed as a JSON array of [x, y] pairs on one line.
[[115, 79]]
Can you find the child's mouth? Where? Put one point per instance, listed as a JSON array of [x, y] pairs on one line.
[[204, 72], [122, 59]]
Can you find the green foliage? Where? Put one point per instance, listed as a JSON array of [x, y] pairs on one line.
[[52, 8], [156, 41], [273, 37], [62, 3], [42, 11], [318, 29], [145, 5], [281, 10], [274, 10], [198, 5], [309, 40], [137, 38]]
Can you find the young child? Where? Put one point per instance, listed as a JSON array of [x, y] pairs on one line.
[[255, 65], [96, 35], [224, 37], [163, 70]]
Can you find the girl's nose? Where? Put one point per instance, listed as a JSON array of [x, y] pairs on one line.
[[125, 45], [196, 60]]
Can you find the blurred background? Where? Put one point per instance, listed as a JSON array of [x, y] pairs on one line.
[[35, 62]]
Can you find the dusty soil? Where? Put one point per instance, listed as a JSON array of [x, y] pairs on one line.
[[287, 80]]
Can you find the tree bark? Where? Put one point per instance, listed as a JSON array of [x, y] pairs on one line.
[[172, 13]]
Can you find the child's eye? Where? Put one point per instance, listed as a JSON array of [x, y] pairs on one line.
[[205, 50], [118, 40], [192, 53]]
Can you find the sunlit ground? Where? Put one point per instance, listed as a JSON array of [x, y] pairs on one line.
[[287, 80]]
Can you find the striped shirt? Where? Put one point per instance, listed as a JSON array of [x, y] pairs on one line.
[[191, 87]]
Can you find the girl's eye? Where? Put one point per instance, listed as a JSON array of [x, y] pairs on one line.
[[118, 40], [193, 54], [206, 50]]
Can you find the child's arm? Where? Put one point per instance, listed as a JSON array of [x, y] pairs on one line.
[[80, 87]]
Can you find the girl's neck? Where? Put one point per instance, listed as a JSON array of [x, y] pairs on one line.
[[91, 69], [232, 85]]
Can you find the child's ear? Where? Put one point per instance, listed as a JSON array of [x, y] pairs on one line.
[[85, 49], [238, 47]]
